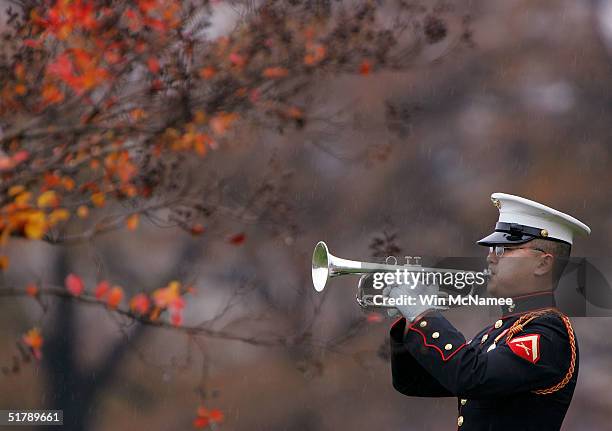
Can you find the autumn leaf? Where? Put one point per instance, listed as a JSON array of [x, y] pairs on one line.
[[36, 225], [222, 122], [197, 229], [51, 94], [132, 221], [58, 215], [34, 341], [31, 289], [176, 318], [275, 72], [205, 417], [153, 64], [82, 211], [207, 72], [4, 262], [74, 284], [48, 199], [62, 67], [140, 304], [315, 53], [102, 289], [115, 296], [237, 239], [98, 199], [365, 68]]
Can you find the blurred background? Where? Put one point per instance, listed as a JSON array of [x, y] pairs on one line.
[[524, 110]]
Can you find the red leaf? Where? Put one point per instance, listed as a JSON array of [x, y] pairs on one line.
[[153, 64], [140, 303], [238, 239], [74, 284], [177, 318], [102, 289], [216, 415], [201, 422], [62, 67]]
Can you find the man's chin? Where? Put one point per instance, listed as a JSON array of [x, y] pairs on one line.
[[492, 289]]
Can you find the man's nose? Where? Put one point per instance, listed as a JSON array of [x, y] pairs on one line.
[[492, 257]]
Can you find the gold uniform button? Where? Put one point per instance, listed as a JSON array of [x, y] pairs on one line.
[[435, 335], [463, 401], [448, 347], [498, 324], [460, 421], [484, 338], [423, 324]]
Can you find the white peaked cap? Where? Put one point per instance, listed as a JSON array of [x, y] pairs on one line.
[[521, 220]]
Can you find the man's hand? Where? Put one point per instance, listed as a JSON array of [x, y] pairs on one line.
[[420, 292]]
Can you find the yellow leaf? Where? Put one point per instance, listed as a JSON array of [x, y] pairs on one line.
[[58, 215], [98, 199], [132, 222], [36, 225], [48, 199]]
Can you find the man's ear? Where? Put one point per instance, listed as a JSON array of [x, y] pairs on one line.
[[545, 264]]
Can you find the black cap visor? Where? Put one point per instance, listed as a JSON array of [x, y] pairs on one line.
[[505, 238]]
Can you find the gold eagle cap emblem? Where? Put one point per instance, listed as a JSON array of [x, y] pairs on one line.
[[496, 203]]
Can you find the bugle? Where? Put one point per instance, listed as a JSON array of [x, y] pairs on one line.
[[326, 266]]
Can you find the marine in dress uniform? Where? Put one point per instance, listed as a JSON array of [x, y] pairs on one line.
[[519, 373]]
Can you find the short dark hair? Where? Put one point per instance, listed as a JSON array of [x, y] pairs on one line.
[[560, 251]]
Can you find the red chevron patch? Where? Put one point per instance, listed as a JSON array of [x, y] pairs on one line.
[[527, 347]]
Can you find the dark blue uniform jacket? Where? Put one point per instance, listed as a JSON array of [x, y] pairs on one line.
[[494, 381]]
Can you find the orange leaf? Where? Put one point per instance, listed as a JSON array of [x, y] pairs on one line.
[[4, 262], [275, 72], [51, 94], [222, 122], [365, 68], [83, 211], [115, 296], [21, 89], [132, 222], [31, 289], [34, 340], [98, 199], [140, 304], [207, 72], [197, 229], [74, 284], [238, 239], [102, 289]]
